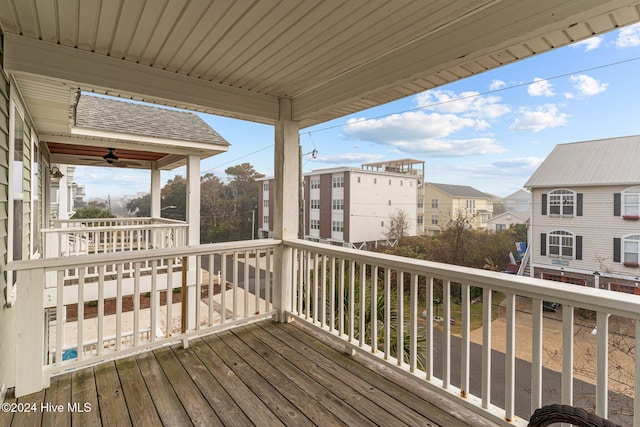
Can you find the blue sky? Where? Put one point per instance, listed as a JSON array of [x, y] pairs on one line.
[[489, 131]]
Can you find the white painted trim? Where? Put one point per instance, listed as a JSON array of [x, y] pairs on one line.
[[92, 71]]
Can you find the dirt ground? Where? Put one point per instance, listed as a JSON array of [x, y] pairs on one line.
[[621, 345]]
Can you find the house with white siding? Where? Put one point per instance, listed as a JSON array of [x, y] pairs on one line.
[[585, 225], [446, 202]]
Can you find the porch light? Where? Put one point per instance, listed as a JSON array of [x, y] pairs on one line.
[[55, 172]]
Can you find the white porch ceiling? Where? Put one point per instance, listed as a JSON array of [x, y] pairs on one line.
[[237, 58]]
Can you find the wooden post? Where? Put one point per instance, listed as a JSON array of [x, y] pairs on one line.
[[30, 331], [286, 207]]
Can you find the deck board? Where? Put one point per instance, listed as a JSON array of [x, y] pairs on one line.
[[260, 374]]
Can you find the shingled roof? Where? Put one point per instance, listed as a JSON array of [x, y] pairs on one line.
[[106, 114], [461, 190]]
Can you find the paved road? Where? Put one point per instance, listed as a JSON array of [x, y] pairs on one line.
[[584, 393]]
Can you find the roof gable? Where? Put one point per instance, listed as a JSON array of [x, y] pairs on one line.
[[611, 161]]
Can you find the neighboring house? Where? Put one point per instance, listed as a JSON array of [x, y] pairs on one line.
[[350, 206], [586, 205], [520, 201], [444, 202], [506, 220]]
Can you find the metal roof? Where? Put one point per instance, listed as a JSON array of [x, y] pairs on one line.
[[239, 58], [612, 161], [460, 191]]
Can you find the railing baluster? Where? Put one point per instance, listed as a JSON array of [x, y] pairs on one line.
[[429, 329], [323, 291], [510, 358], [362, 308], [153, 303], [198, 291], [119, 267], [602, 364], [169, 297], [223, 288], [446, 334], [307, 285], [302, 273], [60, 317], [374, 309], [246, 284], [536, 356], [486, 346], [413, 323], [211, 290], [235, 285], [340, 301], [256, 280], [387, 312], [352, 303], [136, 304], [465, 343], [567, 355], [267, 282], [400, 317], [100, 343], [315, 287], [80, 311], [332, 296]]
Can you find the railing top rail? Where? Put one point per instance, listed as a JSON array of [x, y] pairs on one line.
[[76, 220], [563, 293], [167, 221], [55, 264], [115, 228]]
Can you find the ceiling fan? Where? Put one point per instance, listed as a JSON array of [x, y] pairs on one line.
[[112, 159]]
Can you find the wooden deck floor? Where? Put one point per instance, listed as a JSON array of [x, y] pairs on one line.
[[265, 374]]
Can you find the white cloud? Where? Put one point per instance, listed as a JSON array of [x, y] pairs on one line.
[[467, 104], [628, 37], [543, 117], [589, 44], [497, 84], [587, 85], [540, 87], [523, 166], [349, 158]]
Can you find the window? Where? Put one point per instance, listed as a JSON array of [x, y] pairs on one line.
[[471, 206], [420, 203], [631, 202], [314, 224], [265, 203], [562, 202], [337, 204], [265, 187], [315, 204], [420, 219], [500, 227], [389, 202], [337, 181], [434, 219], [265, 219], [434, 203], [315, 182], [358, 180], [337, 226], [560, 244], [375, 180], [389, 182], [631, 248]]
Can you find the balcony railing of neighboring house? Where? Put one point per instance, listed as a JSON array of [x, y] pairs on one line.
[[351, 295], [357, 295], [114, 284]]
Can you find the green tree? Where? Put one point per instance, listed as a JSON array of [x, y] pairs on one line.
[[92, 212]]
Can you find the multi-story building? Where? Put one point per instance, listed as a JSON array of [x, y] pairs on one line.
[[586, 206], [351, 206], [446, 202]]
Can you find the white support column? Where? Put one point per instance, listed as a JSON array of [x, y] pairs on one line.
[[193, 237], [285, 223], [156, 197], [30, 332]]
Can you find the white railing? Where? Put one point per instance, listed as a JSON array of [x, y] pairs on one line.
[[365, 298], [108, 235], [225, 285]]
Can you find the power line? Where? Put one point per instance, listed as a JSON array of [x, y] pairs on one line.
[[236, 159]]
